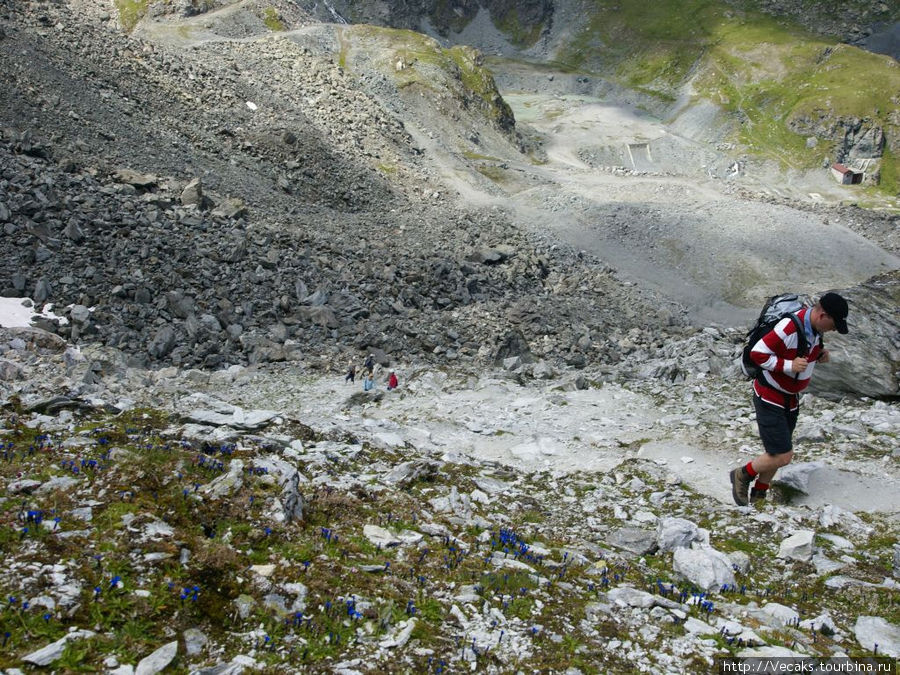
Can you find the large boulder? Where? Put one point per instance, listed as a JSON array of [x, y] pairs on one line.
[[866, 361]]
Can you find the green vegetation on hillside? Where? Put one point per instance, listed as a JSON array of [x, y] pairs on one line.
[[272, 19], [519, 32], [417, 60], [782, 83], [130, 12]]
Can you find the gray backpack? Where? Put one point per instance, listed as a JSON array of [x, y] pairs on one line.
[[776, 308]]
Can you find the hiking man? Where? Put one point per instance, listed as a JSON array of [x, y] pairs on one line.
[[784, 374]]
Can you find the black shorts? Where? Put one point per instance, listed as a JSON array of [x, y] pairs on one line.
[[776, 426]]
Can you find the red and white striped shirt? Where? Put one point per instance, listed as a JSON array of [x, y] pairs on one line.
[[774, 353]]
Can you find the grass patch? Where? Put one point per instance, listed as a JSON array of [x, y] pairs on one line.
[[493, 173], [273, 20], [130, 12]]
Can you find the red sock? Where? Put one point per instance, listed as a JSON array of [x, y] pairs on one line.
[[750, 471], [761, 486]]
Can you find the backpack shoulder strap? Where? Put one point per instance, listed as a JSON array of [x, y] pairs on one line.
[[802, 342]]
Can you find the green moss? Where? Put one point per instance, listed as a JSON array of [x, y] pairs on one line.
[[130, 12], [273, 20]]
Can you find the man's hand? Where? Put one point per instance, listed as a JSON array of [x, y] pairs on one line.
[[799, 364], [824, 356]]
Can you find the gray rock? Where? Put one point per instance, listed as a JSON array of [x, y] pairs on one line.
[[10, 371], [740, 561], [488, 256], [632, 597], [408, 473], [799, 546], [244, 605], [47, 655], [866, 361], [319, 316], [163, 342], [706, 568], [230, 208], [42, 291], [23, 486], [54, 651], [672, 533], [247, 420], [192, 194], [228, 484], [634, 540], [783, 615], [158, 660], [139, 180], [292, 502], [380, 536], [873, 630], [821, 624], [796, 475], [74, 233]]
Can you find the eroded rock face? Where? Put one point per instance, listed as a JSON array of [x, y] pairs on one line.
[[866, 361], [855, 138]]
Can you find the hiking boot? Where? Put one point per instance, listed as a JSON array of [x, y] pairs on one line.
[[757, 495], [740, 485]]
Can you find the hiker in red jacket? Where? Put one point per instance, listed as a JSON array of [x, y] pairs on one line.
[[776, 392], [392, 381]]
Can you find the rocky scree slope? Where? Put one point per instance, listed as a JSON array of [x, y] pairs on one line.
[[209, 537], [292, 244]]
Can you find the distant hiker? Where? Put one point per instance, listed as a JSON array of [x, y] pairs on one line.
[[785, 374], [368, 382], [392, 381], [351, 373], [369, 365]]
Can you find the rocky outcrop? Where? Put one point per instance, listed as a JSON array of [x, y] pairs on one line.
[[866, 361], [854, 138]]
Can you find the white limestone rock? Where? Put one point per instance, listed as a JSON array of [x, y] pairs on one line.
[[799, 546], [706, 568]]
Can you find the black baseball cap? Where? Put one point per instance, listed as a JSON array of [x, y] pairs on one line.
[[836, 307]]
